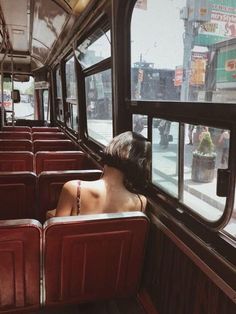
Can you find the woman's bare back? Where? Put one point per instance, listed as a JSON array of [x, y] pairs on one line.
[[97, 197]]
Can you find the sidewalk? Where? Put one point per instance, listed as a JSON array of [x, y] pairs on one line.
[[199, 196]]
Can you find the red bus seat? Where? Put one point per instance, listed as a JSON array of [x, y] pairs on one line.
[[16, 161], [16, 128], [20, 243], [50, 184], [53, 145], [44, 129], [93, 257], [17, 195], [16, 145], [62, 160], [15, 135], [48, 136]]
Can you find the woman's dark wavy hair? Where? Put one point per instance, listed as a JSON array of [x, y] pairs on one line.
[[130, 152]]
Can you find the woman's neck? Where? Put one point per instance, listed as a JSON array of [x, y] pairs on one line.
[[113, 175]]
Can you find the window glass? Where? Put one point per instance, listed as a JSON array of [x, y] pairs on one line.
[[7, 88], [72, 121], [58, 82], [59, 110], [165, 155], [188, 56], [99, 106], [70, 79], [25, 108], [46, 107], [231, 226], [140, 124], [74, 111], [94, 49], [206, 150]]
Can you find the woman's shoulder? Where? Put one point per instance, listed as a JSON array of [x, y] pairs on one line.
[[90, 185], [139, 202], [70, 185], [143, 202]]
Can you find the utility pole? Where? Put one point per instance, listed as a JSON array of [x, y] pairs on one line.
[[188, 46], [194, 14]]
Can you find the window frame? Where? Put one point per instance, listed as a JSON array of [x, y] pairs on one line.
[[183, 112], [68, 102], [172, 111], [103, 65], [58, 100]]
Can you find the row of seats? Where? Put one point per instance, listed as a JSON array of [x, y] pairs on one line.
[[85, 258], [44, 161], [24, 195], [30, 129], [32, 136], [37, 145]]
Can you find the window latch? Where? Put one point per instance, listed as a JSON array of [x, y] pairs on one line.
[[223, 180]]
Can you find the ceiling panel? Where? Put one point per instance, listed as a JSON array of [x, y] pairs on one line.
[[17, 22], [49, 20]]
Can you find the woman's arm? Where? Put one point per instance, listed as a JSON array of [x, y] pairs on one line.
[[67, 199]]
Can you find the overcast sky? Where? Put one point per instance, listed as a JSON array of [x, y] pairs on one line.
[[157, 33]]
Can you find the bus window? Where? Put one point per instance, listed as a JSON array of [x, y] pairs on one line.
[[99, 106], [46, 106], [165, 135], [58, 83], [59, 103], [94, 49], [98, 85], [140, 124], [230, 229], [185, 57], [25, 108], [70, 79], [206, 149], [71, 99], [154, 57]]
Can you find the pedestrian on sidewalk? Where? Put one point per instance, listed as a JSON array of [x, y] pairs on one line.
[[190, 134], [224, 141]]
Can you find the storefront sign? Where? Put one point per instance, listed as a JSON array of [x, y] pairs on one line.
[[226, 69], [222, 24]]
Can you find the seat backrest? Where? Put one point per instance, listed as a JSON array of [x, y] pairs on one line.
[[17, 128], [17, 195], [16, 161], [44, 129], [62, 160], [20, 265], [16, 145], [48, 136], [93, 257], [15, 135], [50, 184], [53, 145]]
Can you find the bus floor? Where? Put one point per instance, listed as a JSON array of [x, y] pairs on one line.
[[118, 306]]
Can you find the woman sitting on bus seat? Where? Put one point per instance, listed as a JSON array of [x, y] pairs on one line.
[[126, 171]]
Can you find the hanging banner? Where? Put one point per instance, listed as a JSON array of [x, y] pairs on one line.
[[178, 80], [222, 24], [198, 68]]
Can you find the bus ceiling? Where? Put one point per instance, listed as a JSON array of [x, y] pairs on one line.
[[32, 31]]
